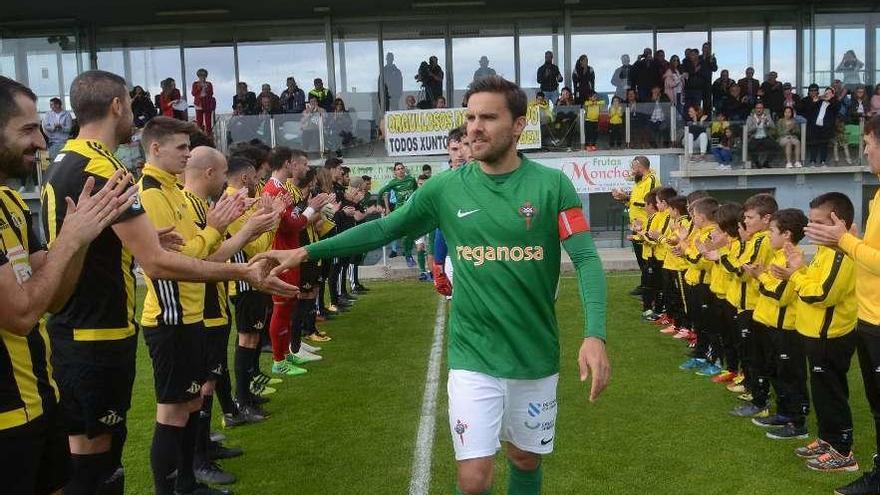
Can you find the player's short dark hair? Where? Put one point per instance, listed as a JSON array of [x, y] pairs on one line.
[[345, 170], [763, 203], [256, 154], [643, 161], [158, 129], [279, 156], [426, 167], [791, 220], [55, 100], [237, 163], [665, 193], [705, 206], [872, 126], [199, 138], [697, 195], [729, 216], [517, 101], [678, 203], [366, 178], [9, 89], [838, 203], [92, 93], [455, 135], [332, 162], [651, 198]]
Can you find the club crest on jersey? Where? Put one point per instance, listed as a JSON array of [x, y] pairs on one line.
[[528, 212]]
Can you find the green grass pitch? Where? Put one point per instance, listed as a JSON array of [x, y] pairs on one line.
[[348, 427]]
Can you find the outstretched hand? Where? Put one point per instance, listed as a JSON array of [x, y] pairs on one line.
[[592, 359], [281, 261]]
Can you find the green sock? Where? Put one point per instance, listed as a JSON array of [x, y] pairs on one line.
[[459, 492], [421, 259], [523, 482]]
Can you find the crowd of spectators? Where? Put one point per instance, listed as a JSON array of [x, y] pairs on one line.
[[679, 102], [656, 102]]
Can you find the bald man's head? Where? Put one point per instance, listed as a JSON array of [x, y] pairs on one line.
[[205, 172]]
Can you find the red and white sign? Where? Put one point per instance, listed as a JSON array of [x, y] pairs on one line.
[[598, 174]]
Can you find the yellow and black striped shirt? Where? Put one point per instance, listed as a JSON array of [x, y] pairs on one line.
[[261, 244], [102, 306], [216, 303], [169, 302], [27, 389]]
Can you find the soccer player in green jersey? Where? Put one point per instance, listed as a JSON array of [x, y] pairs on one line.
[[504, 217]]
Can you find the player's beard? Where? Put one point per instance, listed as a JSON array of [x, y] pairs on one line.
[[496, 148], [12, 162], [123, 132]]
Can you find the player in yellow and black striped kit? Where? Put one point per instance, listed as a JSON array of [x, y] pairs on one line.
[[205, 180], [34, 452], [95, 332]]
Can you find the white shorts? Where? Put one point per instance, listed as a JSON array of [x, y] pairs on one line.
[[484, 411]]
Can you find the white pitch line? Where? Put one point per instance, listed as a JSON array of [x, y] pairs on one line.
[[421, 471]]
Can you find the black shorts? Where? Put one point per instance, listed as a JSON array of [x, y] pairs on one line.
[[252, 311], [95, 380], [178, 354], [309, 275], [216, 351], [35, 458]]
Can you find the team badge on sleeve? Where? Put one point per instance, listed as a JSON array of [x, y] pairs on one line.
[[572, 221]]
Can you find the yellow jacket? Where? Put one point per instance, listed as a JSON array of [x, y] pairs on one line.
[[698, 265], [775, 306], [592, 110], [673, 261], [721, 279], [615, 115], [637, 197], [169, 302], [866, 254], [656, 248], [261, 244], [742, 292], [826, 305]]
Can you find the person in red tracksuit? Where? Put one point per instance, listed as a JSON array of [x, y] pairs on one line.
[[287, 164], [203, 100]]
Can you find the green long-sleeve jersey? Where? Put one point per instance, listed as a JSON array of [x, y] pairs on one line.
[[504, 236]]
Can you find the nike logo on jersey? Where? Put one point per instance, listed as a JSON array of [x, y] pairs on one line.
[[545, 441], [462, 214]]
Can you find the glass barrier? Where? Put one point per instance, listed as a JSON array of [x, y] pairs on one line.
[[766, 143]]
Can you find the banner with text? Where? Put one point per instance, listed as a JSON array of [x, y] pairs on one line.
[[599, 174], [424, 132]]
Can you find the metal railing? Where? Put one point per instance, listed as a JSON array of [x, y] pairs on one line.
[[745, 151]]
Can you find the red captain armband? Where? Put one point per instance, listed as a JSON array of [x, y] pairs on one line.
[[571, 222]]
